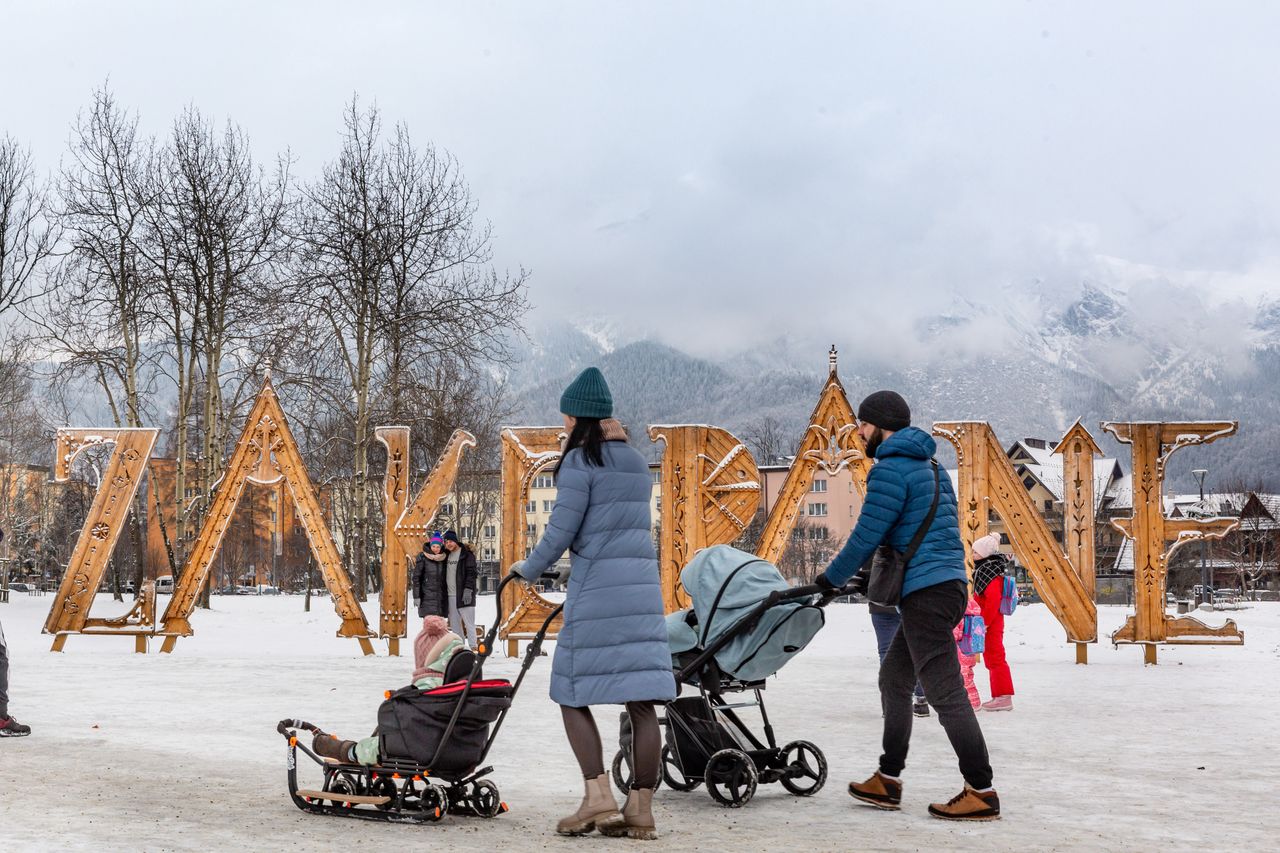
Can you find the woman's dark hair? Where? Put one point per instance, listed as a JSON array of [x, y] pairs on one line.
[[589, 435]]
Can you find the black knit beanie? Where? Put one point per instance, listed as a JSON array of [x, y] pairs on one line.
[[885, 409]]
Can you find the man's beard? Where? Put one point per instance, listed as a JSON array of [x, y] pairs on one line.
[[873, 443]]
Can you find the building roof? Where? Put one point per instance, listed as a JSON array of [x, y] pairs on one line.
[[1035, 456]]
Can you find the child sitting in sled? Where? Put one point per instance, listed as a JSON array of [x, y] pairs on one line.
[[433, 648]]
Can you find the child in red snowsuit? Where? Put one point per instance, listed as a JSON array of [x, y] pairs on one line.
[[988, 571], [968, 662]]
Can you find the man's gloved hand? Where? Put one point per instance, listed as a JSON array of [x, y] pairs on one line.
[[858, 586], [517, 568], [822, 581]]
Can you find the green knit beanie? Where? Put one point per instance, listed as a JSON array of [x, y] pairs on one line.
[[587, 396]]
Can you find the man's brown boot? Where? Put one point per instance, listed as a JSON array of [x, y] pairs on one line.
[[638, 816], [599, 810], [968, 805], [879, 791], [328, 746]]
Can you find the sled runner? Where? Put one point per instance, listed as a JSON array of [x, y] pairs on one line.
[[433, 746]]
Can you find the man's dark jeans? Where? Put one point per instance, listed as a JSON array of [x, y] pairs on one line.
[[925, 649], [886, 626]]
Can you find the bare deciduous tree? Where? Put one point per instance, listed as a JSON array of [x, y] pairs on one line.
[[396, 270], [27, 232], [768, 439], [100, 324], [214, 239]]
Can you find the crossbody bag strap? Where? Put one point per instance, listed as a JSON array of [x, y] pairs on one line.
[[923, 530]]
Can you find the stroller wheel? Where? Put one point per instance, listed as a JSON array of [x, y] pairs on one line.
[[673, 775], [806, 768], [432, 802], [731, 778], [622, 771], [340, 783], [622, 774], [486, 800], [384, 787]]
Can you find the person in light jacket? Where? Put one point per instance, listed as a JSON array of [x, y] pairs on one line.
[[612, 648]]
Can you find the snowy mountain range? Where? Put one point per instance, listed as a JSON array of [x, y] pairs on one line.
[[1030, 362]]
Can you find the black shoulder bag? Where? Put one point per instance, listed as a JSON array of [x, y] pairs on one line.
[[889, 568]]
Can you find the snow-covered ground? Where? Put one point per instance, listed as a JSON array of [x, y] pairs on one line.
[[134, 752]]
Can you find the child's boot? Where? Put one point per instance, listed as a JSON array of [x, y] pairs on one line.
[[328, 746]]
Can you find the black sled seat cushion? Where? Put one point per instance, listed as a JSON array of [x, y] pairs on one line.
[[412, 723]]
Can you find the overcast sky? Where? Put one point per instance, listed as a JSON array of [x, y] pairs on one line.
[[726, 170]]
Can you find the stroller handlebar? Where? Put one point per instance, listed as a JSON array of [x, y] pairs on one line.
[[809, 590]]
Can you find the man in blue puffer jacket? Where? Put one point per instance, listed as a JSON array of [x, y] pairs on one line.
[[900, 492]]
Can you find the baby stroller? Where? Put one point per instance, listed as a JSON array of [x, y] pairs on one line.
[[431, 744], [745, 624]]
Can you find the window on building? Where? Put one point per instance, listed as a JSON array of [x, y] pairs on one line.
[[544, 481], [447, 509], [817, 509], [1029, 482], [657, 476], [818, 533], [546, 505], [531, 530], [818, 486], [468, 533], [490, 531], [1048, 505], [1004, 538], [532, 506], [488, 552]]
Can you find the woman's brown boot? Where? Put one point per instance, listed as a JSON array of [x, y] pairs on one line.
[[599, 810], [637, 815]]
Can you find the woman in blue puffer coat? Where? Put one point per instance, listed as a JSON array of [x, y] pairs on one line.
[[612, 648]]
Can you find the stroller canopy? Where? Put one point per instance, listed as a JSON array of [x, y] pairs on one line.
[[725, 585]]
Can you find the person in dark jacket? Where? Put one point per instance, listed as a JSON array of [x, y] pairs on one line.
[[900, 491], [430, 590], [460, 587], [9, 727], [612, 648]]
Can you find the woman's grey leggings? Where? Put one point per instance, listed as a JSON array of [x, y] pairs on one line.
[[646, 742]]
